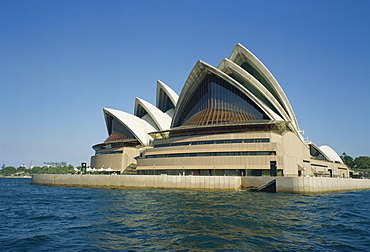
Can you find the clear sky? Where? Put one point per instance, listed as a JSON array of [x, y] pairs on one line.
[[62, 61]]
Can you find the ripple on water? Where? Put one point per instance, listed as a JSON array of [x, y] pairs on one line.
[[41, 218]]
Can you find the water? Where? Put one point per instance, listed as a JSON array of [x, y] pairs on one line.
[[42, 218]]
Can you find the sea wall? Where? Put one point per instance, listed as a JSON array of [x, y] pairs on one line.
[[140, 181], [319, 184], [213, 183]]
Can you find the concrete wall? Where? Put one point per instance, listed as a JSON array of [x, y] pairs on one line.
[[140, 181], [283, 184], [117, 162], [319, 184]]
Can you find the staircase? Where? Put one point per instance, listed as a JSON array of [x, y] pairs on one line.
[[130, 170], [268, 187]]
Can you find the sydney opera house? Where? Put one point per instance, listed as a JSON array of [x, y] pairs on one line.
[[230, 120]]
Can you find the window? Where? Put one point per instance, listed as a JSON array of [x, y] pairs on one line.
[[316, 154], [118, 131], [217, 101], [109, 152], [229, 141], [205, 154]]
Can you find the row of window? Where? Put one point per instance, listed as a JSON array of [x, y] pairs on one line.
[[109, 152], [256, 140], [210, 172], [206, 154], [112, 145], [108, 146]]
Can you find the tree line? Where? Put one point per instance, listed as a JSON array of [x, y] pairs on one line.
[[358, 163], [24, 171]]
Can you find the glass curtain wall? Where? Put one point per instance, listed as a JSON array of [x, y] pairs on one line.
[[118, 132], [217, 101], [141, 112], [247, 67], [165, 103], [316, 154]]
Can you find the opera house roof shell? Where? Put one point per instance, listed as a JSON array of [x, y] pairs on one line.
[[240, 91]]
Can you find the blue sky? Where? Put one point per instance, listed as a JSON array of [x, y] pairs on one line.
[[61, 62]]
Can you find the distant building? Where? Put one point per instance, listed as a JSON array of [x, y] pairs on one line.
[[233, 120]]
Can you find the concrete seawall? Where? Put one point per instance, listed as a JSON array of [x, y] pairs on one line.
[[140, 181], [320, 184], [212, 183]]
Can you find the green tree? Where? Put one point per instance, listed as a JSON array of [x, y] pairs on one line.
[[362, 162], [36, 170], [8, 171], [347, 160], [51, 169], [71, 169], [21, 169]]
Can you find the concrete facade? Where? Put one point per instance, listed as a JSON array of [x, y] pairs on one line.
[[288, 151], [211, 183], [117, 162]]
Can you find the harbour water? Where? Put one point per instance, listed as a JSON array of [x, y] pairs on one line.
[[43, 218]]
